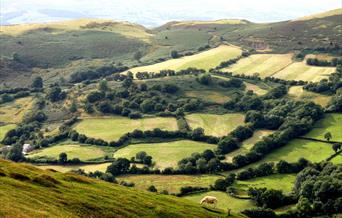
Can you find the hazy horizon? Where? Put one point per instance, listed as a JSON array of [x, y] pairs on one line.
[[152, 13]]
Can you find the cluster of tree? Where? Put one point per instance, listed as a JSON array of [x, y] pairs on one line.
[[205, 79], [13, 91], [227, 63], [22, 132], [4, 98], [332, 49], [232, 83], [63, 159], [97, 175], [330, 85], [324, 63], [143, 158], [270, 198], [89, 74], [55, 93], [223, 184], [166, 73], [186, 190], [335, 105]]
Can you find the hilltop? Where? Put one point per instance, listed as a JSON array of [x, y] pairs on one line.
[[26, 191]]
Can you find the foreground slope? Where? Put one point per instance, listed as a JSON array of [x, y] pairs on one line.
[[26, 191]]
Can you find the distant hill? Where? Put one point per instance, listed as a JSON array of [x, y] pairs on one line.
[[26, 191]]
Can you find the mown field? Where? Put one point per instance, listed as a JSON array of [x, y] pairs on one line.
[[209, 95], [112, 128], [83, 152], [216, 125], [331, 123], [224, 201], [302, 71], [13, 112], [283, 182], [263, 64], [298, 93], [4, 129], [165, 154], [102, 167], [248, 144], [171, 183], [204, 60]]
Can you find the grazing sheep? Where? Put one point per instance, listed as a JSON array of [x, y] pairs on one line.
[[209, 200]]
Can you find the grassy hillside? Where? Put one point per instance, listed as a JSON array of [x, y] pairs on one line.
[[53, 194], [331, 123], [13, 112]]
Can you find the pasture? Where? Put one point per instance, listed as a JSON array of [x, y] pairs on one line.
[[171, 183], [331, 123], [209, 95], [204, 60], [165, 154], [263, 64], [112, 128], [216, 125], [248, 144], [225, 201], [4, 129], [302, 71], [284, 182], [298, 93], [86, 167], [13, 112], [83, 152]]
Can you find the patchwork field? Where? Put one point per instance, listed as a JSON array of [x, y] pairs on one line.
[[302, 71], [209, 95], [4, 129], [165, 154], [171, 183], [112, 128], [331, 123], [86, 167], [204, 60], [248, 144], [216, 125], [298, 93], [224, 201], [284, 182], [13, 112], [83, 152], [263, 64]]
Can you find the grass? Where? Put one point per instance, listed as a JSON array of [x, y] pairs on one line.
[[209, 95], [224, 201], [322, 15], [248, 144], [112, 128], [39, 193], [331, 123], [171, 183], [298, 93], [216, 125], [4, 129], [86, 167], [263, 64], [83, 152], [204, 60], [283, 182], [337, 159], [13, 112], [165, 154], [302, 71]]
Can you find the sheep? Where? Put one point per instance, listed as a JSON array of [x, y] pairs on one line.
[[209, 200]]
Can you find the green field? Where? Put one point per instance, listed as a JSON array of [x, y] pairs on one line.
[[83, 152], [86, 167], [4, 129], [112, 128], [248, 144], [216, 125], [331, 123], [39, 193], [224, 201], [204, 60], [209, 95], [165, 154], [171, 183], [283, 182], [13, 112], [337, 159], [263, 64], [298, 93]]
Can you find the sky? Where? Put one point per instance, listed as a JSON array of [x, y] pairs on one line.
[[153, 13]]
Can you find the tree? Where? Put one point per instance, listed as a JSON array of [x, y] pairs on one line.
[[174, 54], [63, 157], [336, 147], [152, 188], [147, 160], [55, 94], [103, 85], [205, 79], [73, 107], [37, 82], [327, 136], [119, 166], [141, 155], [15, 153]]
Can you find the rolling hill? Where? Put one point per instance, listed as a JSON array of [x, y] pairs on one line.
[[26, 191]]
